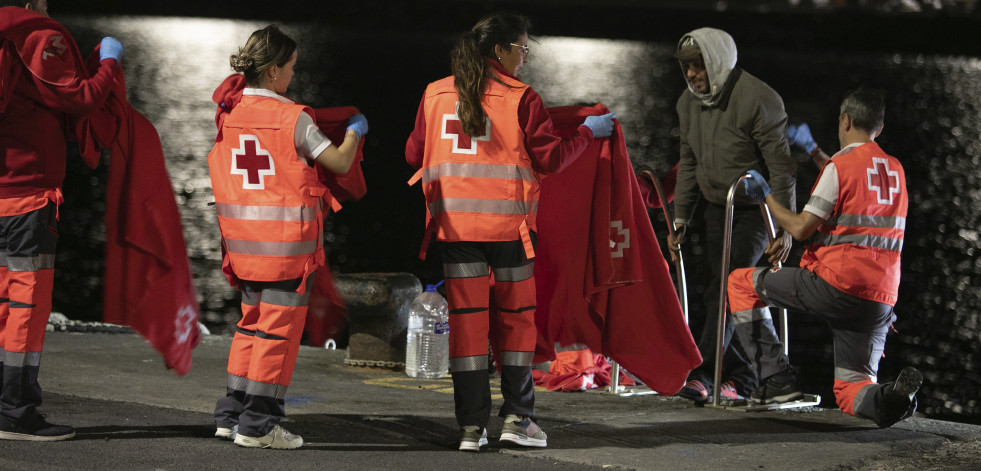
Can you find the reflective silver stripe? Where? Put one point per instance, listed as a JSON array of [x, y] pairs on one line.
[[864, 220], [3, 259], [761, 290], [265, 213], [860, 397], [237, 383], [256, 388], [250, 298], [272, 249], [516, 358], [755, 314], [450, 169], [470, 205], [851, 376], [570, 347], [465, 270], [285, 298], [821, 204], [29, 264], [514, 274], [20, 360], [864, 240], [20, 305], [474, 363]]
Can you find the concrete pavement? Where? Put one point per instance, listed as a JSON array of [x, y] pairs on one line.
[[131, 413]]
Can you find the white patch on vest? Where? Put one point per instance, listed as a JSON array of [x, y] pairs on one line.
[[455, 136], [882, 183], [254, 159]]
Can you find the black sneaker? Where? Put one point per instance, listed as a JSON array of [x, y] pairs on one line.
[[781, 387], [34, 429], [898, 401]]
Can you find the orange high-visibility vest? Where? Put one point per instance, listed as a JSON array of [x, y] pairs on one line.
[[480, 189], [267, 197], [858, 249]]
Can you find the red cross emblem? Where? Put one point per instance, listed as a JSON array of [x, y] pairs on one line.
[[252, 162], [884, 182], [462, 143], [54, 47], [619, 239]]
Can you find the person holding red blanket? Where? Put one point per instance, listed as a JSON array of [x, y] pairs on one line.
[[481, 141], [44, 89], [270, 213]]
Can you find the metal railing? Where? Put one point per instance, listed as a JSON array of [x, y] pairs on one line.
[[771, 232]]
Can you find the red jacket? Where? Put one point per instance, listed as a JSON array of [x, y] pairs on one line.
[[45, 93]]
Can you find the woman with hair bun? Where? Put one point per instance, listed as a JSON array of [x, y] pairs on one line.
[[481, 140], [270, 213]]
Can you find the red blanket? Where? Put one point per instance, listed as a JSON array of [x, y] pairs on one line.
[[148, 283], [601, 278], [325, 316], [578, 370], [38, 43]]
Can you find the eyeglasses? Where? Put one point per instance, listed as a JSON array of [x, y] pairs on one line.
[[524, 49]]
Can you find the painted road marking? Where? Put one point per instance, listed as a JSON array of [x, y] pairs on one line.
[[440, 385]]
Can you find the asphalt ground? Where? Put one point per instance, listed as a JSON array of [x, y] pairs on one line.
[[131, 413]]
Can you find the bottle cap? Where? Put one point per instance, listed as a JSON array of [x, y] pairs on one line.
[[433, 287]]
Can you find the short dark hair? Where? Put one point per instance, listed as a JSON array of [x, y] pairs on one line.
[[17, 3], [866, 107]]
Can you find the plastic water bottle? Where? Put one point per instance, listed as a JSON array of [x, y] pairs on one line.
[[427, 349]]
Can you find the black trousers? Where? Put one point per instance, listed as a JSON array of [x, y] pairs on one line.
[[748, 242]]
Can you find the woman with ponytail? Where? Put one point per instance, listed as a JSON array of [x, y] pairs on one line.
[[270, 213], [481, 140]]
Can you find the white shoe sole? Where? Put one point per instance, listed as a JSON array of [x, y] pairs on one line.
[[34, 438], [523, 440], [252, 442], [780, 399], [472, 446]]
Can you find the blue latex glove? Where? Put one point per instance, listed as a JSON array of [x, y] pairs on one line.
[[359, 124], [756, 188], [602, 126], [800, 136], [111, 49]]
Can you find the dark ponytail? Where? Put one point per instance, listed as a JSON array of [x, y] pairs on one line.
[[470, 70]]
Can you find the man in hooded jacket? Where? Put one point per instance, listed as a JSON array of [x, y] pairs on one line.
[[730, 122]]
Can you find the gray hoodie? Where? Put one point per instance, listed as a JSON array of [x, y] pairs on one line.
[[739, 125], [719, 55]]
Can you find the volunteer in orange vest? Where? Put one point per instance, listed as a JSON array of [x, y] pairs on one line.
[[270, 213], [44, 88], [848, 275], [480, 142]]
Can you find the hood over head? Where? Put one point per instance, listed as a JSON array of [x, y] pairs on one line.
[[718, 51]]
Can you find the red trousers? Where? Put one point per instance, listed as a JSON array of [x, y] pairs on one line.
[[27, 252], [475, 322], [262, 356]]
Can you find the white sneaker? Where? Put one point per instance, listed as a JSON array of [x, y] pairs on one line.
[[279, 439], [472, 438], [522, 431], [226, 433]]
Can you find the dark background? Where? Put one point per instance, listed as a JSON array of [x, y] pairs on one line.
[[379, 56]]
